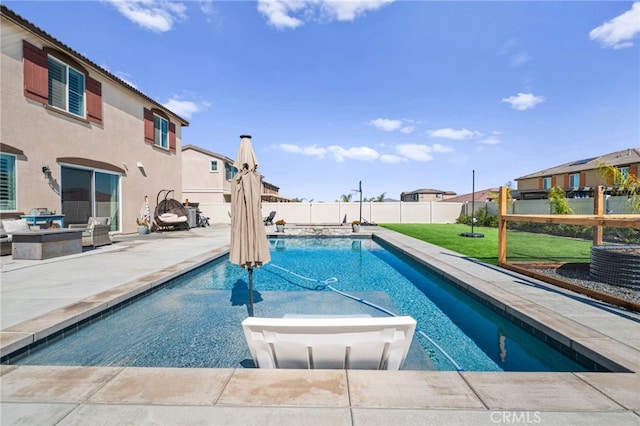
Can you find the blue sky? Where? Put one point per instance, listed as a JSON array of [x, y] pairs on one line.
[[399, 95]]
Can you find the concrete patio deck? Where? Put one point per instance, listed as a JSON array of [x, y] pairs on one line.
[[42, 297]]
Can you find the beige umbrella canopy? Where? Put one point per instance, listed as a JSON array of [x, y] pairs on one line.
[[249, 245]]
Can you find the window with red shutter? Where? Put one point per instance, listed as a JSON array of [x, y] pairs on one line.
[[36, 71], [172, 137], [94, 100], [148, 126]]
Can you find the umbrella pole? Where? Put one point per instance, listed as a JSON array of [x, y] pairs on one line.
[[250, 292]]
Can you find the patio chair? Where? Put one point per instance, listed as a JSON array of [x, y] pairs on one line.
[[96, 231], [334, 342], [269, 219]]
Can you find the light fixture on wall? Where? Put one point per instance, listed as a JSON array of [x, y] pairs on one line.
[[47, 172]]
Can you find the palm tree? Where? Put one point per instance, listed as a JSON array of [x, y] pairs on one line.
[[346, 198], [380, 197]]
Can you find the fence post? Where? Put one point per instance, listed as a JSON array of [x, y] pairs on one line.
[[598, 210], [502, 226]]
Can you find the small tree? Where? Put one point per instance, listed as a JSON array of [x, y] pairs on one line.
[[558, 200], [624, 184]]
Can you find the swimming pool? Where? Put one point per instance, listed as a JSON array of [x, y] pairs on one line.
[[194, 321]]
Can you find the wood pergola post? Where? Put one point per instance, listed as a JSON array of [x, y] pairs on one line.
[[598, 210]]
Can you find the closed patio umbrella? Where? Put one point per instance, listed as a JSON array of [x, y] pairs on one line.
[[249, 245]]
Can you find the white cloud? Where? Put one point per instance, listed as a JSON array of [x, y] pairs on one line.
[[185, 109], [154, 15], [206, 7], [441, 148], [362, 153], [386, 124], [415, 151], [448, 133], [519, 59], [277, 13], [408, 129], [313, 150], [492, 139], [619, 31], [284, 14], [524, 101], [348, 10], [392, 159]]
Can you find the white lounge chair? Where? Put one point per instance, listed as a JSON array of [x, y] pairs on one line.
[[379, 343]]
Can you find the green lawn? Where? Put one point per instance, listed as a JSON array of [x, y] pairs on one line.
[[521, 246]]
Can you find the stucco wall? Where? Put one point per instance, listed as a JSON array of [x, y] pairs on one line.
[[199, 184], [44, 135]]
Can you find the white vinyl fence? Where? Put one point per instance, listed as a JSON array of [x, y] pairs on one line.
[[404, 212], [337, 212]]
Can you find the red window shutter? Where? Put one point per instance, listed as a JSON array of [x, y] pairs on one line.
[[633, 171], [36, 73], [566, 180], [540, 183], [553, 181], [172, 137], [94, 100], [148, 126], [583, 179]]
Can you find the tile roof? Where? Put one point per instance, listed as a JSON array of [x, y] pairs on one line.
[[207, 152], [429, 191], [481, 195], [618, 158]]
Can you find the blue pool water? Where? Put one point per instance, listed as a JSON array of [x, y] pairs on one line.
[[195, 320]]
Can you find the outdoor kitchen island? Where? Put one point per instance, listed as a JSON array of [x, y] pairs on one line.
[[46, 243]]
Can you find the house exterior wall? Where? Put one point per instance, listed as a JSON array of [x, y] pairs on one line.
[[588, 177], [199, 183], [46, 135], [426, 197]]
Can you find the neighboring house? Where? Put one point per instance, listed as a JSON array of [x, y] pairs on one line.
[[75, 138], [207, 175], [271, 193], [423, 195], [482, 196], [577, 178]]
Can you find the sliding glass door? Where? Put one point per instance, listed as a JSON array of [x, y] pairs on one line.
[[86, 193]]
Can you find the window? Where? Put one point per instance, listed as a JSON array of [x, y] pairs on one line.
[[213, 167], [623, 176], [574, 180], [546, 183], [50, 80], [415, 197], [160, 131], [229, 171], [66, 88], [7, 182]]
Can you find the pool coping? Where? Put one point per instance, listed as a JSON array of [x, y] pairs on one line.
[[606, 394]]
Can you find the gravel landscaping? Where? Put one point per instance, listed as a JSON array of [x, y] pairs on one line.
[[578, 274]]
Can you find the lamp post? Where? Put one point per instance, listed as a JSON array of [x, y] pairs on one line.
[[360, 191], [473, 207]]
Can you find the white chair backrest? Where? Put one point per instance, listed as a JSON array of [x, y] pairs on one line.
[[379, 343]]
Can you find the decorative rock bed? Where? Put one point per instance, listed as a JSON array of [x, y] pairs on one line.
[[616, 265]]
